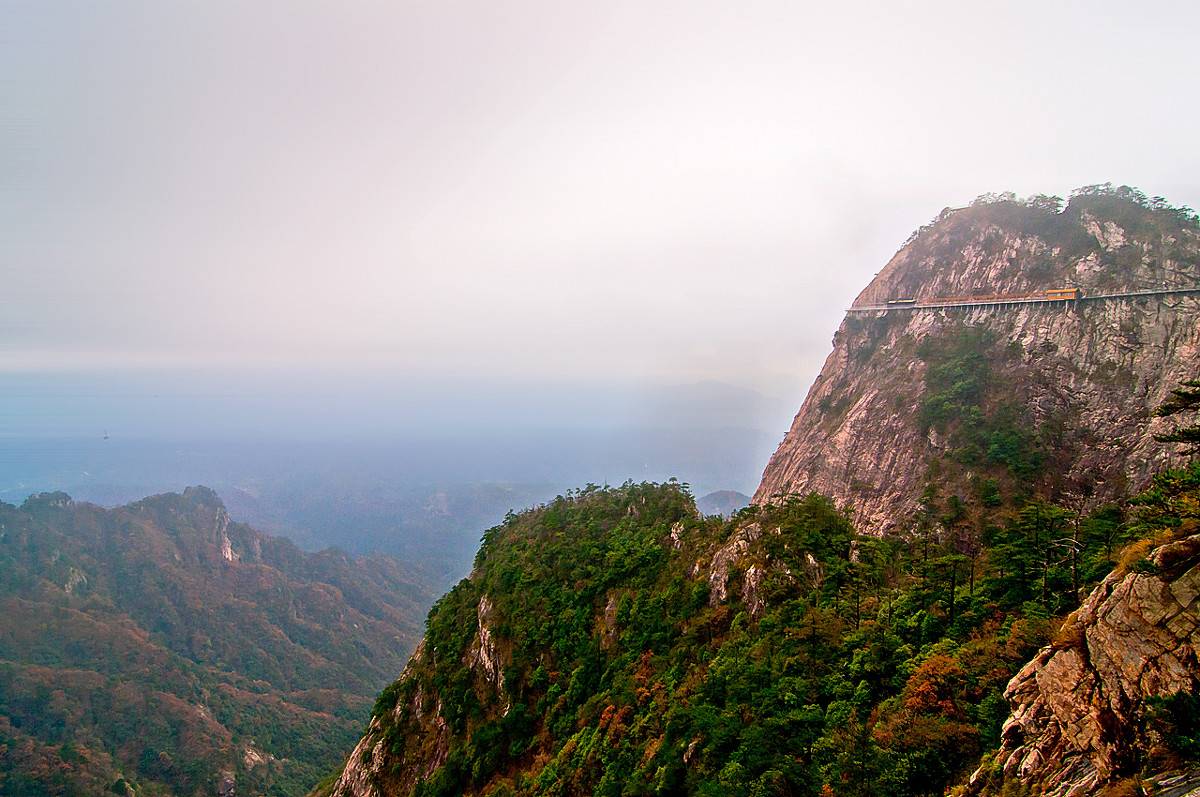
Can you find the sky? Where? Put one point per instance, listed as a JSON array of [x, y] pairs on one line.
[[517, 204]]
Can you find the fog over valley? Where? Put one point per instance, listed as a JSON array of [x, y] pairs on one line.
[[637, 398], [416, 470]]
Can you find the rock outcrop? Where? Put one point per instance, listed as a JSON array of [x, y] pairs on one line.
[[369, 766], [725, 558], [1080, 708], [1084, 377], [484, 656]]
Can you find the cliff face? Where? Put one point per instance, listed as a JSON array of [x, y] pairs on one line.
[[1079, 380], [1080, 707], [374, 768]]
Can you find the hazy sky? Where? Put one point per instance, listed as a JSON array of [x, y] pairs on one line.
[[550, 191]]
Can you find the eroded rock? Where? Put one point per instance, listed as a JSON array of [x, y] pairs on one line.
[[725, 558], [1079, 708]]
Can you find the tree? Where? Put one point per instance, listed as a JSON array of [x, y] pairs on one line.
[[1034, 554], [1185, 398], [1045, 203]]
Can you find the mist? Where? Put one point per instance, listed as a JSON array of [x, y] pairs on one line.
[[527, 243], [663, 193]]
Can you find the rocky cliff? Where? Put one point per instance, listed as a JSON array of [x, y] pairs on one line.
[[1058, 397], [1084, 713]]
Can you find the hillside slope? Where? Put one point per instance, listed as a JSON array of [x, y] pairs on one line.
[[1012, 401], [614, 642], [162, 645]]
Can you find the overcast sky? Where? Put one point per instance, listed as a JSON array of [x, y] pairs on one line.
[[643, 192]]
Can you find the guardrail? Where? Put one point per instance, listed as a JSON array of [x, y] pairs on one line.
[[998, 302]]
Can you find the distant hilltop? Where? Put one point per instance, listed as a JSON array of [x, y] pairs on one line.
[[162, 648], [722, 502]]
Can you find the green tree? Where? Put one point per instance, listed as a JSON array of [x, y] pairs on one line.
[[1184, 399]]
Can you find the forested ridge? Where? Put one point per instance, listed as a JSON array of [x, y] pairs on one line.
[[160, 649], [839, 664]]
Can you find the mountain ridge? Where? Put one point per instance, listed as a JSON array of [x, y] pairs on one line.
[[163, 646], [1072, 383]]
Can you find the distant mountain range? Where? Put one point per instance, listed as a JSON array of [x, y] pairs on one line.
[[163, 648], [423, 500]]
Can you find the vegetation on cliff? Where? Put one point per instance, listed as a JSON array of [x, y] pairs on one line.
[[613, 642], [1184, 399], [1064, 223]]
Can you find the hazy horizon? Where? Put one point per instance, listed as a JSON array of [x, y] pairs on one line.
[[477, 225]]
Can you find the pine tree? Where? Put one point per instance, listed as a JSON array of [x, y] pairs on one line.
[[1185, 398]]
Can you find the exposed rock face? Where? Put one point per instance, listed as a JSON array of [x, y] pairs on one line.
[[1079, 707], [483, 656], [369, 766], [725, 558], [386, 762], [1086, 375], [750, 590]]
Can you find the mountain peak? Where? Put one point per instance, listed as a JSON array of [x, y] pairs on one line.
[[50, 500], [205, 496], [1009, 348]]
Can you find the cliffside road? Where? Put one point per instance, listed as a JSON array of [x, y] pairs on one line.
[[1089, 318], [992, 302]]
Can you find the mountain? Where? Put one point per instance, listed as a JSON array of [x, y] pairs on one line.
[[1004, 401], [722, 502], [970, 566], [421, 497], [162, 647], [616, 642]]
